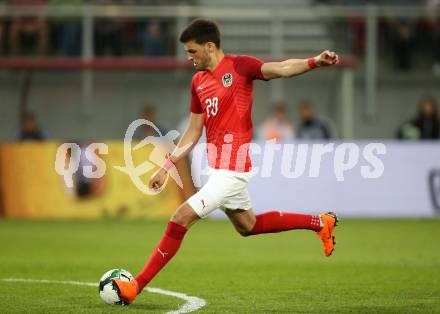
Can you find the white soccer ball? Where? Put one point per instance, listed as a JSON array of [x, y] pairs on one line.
[[107, 291]]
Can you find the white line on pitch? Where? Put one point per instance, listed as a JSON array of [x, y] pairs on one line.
[[192, 303]]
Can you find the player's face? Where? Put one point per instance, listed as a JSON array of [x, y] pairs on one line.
[[198, 54]]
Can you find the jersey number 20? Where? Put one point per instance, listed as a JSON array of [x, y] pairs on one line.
[[211, 106]]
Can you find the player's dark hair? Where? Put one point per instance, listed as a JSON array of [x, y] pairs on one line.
[[201, 31]]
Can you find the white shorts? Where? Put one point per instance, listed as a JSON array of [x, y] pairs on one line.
[[225, 189]]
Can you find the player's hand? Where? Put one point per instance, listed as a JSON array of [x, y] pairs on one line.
[[157, 179], [327, 58]]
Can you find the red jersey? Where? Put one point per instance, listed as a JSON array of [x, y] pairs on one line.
[[224, 97]]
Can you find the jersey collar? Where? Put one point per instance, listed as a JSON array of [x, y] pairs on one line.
[[219, 65]]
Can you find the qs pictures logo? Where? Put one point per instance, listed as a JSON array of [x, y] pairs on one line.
[[155, 158], [68, 156]]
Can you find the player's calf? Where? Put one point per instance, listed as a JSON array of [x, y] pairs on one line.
[[278, 221], [243, 220]]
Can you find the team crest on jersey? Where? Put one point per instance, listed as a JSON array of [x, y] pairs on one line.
[[227, 80]]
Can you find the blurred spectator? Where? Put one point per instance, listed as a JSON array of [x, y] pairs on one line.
[[149, 113], [434, 22], [130, 28], [277, 126], [29, 129], [153, 39], [402, 32], [28, 31], [2, 36], [311, 128], [84, 186], [426, 126], [67, 32], [108, 33], [356, 32]]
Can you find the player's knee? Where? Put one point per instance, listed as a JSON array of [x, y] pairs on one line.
[[184, 217], [244, 231], [177, 219], [180, 219]]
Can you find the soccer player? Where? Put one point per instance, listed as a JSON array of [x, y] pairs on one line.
[[221, 100]]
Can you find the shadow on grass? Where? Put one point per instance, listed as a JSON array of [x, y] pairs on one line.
[[379, 308], [135, 307]]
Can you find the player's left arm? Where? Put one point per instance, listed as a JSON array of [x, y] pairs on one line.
[[293, 67]]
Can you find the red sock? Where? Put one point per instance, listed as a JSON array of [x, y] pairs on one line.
[[164, 252], [276, 221]]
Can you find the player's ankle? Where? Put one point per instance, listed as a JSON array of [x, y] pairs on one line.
[[138, 290]]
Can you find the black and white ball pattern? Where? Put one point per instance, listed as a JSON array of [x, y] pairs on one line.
[[107, 290]]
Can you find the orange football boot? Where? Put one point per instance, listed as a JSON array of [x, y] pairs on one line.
[[127, 290], [329, 221]]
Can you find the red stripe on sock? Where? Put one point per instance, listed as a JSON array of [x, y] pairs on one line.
[[162, 254], [276, 221]]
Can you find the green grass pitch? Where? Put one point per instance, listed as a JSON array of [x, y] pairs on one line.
[[379, 266]]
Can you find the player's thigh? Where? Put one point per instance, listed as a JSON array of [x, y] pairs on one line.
[[242, 219], [185, 215], [212, 195]]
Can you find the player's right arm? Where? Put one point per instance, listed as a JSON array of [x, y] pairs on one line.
[[189, 138], [293, 67], [187, 142]]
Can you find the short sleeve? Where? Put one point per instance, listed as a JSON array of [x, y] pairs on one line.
[[249, 67], [196, 107]]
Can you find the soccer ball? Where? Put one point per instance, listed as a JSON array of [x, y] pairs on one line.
[[107, 290]]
